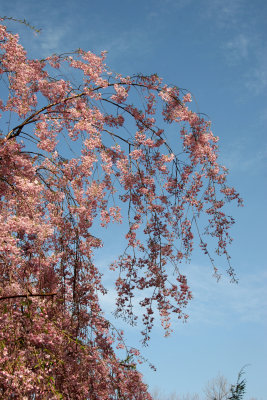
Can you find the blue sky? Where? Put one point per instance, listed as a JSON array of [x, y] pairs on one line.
[[217, 49]]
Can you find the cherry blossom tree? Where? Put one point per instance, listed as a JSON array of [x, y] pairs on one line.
[[74, 158]]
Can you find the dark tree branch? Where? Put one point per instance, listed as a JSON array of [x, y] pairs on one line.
[[27, 295]]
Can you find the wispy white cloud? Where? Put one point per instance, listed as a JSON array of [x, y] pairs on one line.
[[237, 159], [256, 77], [161, 7], [127, 42], [250, 53], [223, 303], [52, 39], [243, 44], [237, 48], [224, 12]]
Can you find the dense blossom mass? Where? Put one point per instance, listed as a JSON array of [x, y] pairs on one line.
[[75, 158]]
